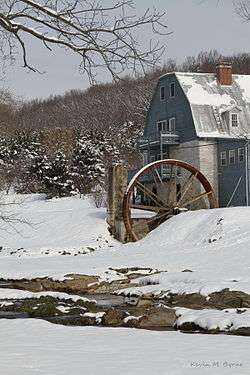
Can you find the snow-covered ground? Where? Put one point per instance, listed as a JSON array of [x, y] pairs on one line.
[[213, 244], [52, 227], [70, 235], [38, 347]]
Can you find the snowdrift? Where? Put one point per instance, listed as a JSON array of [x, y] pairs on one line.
[[213, 244]]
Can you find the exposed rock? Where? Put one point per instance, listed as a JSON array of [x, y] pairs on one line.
[[125, 270], [72, 283], [106, 287], [92, 319], [67, 320], [188, 327], [229, 298], [143, 303], [132, 321], [192, 327], [192, 300], [113, 318], [158, 317], [242, 331], [132, 301]]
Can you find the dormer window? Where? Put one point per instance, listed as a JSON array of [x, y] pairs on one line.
[[162, 93], [234, 120], [172, 90]]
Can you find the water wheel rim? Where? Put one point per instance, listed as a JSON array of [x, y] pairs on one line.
[[199, 176]]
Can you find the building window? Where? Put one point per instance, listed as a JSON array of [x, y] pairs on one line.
[[223, 158], [145, 157], [162, 93], [162, 126], [171, 125], [165, 126], [152, 158], [172, 90], [231, 157], [234, 120], [241, 155]]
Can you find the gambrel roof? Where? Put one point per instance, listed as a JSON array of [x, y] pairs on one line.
[[210, 101]]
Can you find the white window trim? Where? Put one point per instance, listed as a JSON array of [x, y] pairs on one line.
[[231, 120], [225, 158], [160, 122], [241, 148], [169, 122], [229, 157], [163, 99], [171, 96]]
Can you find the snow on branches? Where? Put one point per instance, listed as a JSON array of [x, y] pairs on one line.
[[27, 164], [102, 36]]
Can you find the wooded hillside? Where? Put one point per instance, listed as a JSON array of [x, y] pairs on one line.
[[105, 119]]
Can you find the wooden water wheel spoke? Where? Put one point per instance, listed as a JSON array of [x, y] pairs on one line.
[[169, 185], [172, 185], [187, 187], [158, 217], [156, 176], [149, 193], [195, 199], [148, 208], [165, 195]]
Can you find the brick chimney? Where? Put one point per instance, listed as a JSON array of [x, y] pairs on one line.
[[224, 74]]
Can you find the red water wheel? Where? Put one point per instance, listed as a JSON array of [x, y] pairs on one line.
[[161, 190]]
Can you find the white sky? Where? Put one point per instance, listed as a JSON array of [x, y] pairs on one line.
[[196, 25]]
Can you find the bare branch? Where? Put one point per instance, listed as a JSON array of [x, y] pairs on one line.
[[102, 36], [242, 8]]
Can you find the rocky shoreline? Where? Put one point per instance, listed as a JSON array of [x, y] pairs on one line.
[[106, 304]]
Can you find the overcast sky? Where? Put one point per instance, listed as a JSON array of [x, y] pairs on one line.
[[196, 25]]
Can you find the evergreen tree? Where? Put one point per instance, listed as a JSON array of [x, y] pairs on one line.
[[58, 180], [87, 164], [27, 162], [107, 147]]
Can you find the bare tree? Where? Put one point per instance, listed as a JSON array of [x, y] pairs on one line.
[[243, 9], [102, 36]]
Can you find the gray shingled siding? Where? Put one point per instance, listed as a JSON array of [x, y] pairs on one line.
[[230, 175], [177, 107]]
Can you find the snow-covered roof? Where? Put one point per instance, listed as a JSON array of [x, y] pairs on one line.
[[210, 101]]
